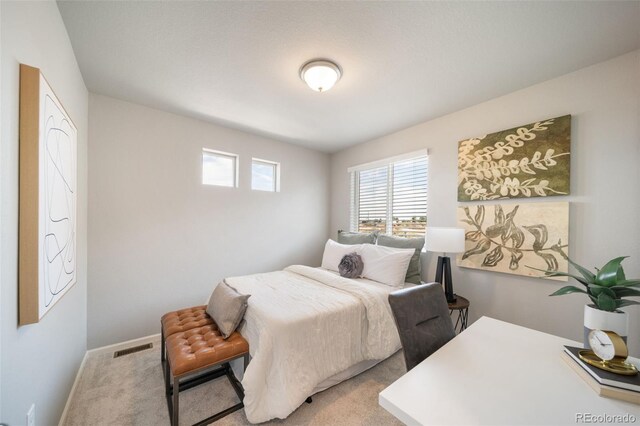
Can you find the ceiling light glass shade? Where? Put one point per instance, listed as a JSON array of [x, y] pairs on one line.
[[320, 75]]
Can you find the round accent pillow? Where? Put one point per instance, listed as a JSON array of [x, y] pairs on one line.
[[351, 266]]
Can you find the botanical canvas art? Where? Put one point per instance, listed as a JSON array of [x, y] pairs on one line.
[[516, 238], [526, 161]]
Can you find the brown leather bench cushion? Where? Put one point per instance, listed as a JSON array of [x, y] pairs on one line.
[[185, 319], [201, 347]]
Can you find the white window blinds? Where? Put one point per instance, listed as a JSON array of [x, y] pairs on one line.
[[409, 201], [373, 194], [391, 198]]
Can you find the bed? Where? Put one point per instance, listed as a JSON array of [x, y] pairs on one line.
[[308, 329]]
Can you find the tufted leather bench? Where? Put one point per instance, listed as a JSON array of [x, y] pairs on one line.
[[182, 320], [196, 355]]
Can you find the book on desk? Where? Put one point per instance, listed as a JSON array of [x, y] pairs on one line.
[[604, 383]]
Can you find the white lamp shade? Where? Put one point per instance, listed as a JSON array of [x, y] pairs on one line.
[[445, 240]]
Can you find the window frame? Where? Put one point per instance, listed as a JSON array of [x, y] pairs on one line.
[[236, 166], [354, 193], [276, 174]]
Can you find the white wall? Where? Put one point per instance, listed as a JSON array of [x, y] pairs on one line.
[[39, 362], [605, 198], [160, 240], [1, 204]]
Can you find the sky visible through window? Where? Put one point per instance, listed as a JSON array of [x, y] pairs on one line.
[[218, 169], [263, 176]]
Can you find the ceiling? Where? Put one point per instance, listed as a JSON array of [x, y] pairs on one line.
[[236, 63]]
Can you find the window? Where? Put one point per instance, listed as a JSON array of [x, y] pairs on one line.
[[219, 168], [390, 196], [265, 175]]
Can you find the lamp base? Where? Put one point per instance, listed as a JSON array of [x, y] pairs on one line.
[[443, 276]]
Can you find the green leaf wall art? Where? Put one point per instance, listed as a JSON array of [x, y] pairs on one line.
[[516, 238], [524, 162]]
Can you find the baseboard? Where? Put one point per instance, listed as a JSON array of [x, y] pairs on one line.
[[154, 338], [63, 418]]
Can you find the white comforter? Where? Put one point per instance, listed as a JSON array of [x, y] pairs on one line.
[[303, 326]]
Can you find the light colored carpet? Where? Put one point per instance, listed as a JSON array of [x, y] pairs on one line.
[[130, 391]]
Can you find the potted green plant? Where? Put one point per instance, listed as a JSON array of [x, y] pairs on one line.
[[608, 288]]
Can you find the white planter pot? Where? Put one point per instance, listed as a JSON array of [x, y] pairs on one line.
[[595, 319]]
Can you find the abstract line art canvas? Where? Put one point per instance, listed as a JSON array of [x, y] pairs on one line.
[[48, 197]]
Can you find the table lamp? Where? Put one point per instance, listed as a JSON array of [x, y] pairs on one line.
[[445, 240]]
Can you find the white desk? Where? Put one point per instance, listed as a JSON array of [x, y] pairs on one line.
[[497, 373]]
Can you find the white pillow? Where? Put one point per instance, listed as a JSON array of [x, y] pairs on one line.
[[334, 252], [387, 265]]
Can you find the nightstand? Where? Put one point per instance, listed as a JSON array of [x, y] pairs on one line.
[[462, 306]]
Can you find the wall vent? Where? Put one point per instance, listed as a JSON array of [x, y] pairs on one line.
[[134, 349]]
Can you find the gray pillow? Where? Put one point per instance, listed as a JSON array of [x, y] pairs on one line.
[[227, 308], [413, 272], [346, 237], [351, 266]]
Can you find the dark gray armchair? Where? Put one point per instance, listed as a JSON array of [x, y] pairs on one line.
[[422, 317]]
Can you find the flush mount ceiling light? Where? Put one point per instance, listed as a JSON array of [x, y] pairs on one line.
[[320, 74]]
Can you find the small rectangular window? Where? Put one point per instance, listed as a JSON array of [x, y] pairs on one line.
[[219, 168], [265, 175]]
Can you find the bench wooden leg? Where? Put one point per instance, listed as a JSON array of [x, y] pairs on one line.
[[167, 379], [176, 402], [162, 343]]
